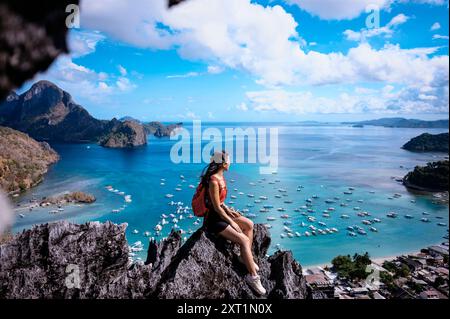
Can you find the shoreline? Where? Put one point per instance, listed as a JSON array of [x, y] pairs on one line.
[[377, 260]]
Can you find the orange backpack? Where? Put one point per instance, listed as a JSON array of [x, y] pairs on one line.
[[199, 202]]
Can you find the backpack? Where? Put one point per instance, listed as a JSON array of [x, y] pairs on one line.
[[199, 206]]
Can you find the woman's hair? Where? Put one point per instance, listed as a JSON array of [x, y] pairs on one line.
[[218, 160]]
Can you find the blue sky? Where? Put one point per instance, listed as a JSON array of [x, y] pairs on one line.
[[242, 60]]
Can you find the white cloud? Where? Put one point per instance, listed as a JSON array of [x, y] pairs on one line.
[[387, 30], [84, 82], [261, 40], [338, 10], [242, 107], [350, 9], [82, 43], [122, 70], [215, 69], [440, 37], [386, 100], [183, 76], [435, 26]]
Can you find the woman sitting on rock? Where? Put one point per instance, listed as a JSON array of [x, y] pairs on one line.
[[226, 221]]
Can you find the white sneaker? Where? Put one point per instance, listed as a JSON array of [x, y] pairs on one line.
[[242, 262], [255, 283]]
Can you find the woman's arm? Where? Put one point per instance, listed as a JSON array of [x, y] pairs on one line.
[[215, 199]]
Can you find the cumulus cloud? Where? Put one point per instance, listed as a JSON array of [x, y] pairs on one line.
[[411, 100], [338, 10], [435, 26], [440, 37], [82, 43], [350, 9], [262, 40], [386, 31], [85, 82]]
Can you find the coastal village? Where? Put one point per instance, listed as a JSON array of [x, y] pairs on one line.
[[421, 275]]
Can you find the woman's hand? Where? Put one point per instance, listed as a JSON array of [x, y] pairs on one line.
[[236, 227], [232, 212]]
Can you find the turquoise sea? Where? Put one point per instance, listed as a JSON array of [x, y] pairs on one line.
[[324, 159]]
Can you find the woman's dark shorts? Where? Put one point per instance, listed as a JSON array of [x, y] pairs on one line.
[[214, 224]]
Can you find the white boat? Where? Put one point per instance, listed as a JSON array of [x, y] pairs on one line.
[[21, 215], [135, 231], [392, 215], [263, 197], [362, 232], [345, 216], [425, 220], [367, 222], [191, 186], [297, 234], [158, 228], [322, 224], [409, 216], [178, 189], [169, 195], [283, 236], [352, 234], [284, 216], [288, 202], [281, 209], [250, 195], [307, 234], [271, 219], [373, 229], [376, 220]]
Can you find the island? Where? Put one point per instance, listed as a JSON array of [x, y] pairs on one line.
[[48, 113], [399, 122], [155, 128], [23, 161], [68, 198], [428, 143], [430, 178]]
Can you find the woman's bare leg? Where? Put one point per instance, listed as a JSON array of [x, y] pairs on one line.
[[246, 251], [247, 227]]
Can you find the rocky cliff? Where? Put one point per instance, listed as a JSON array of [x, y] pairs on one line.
[[434, 177], [64, 260], [125, 135], [48, 113], [23, 161], [160, 130], [428, 143]]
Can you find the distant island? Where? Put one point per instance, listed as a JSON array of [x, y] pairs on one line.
[[399, 122], [23, 161], [48, 113], [155, 128], [428, 143], [433, 178]]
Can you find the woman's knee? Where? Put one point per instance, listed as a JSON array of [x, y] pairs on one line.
[[244, 240]]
